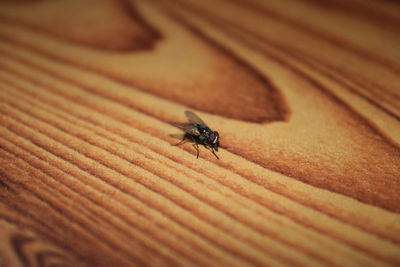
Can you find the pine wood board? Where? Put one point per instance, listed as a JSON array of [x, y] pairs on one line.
[[305, 95]]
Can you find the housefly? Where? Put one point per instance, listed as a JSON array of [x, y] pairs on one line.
[[199, 133]]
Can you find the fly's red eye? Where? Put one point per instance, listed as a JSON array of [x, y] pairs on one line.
[[212, 137]]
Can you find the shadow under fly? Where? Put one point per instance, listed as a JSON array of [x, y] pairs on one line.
[[199, 133]]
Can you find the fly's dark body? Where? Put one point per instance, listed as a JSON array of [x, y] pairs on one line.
[[199, 133]]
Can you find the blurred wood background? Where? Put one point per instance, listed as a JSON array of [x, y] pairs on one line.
[[305, 95]]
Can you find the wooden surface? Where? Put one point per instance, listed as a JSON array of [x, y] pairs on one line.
[[305, 95]]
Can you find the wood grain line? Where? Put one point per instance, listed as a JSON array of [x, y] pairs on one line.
[[30, 201], [394, 147], [138, 34], [112, 204], [113, 194], [277, 58], [274, 104], [244, 35], [368, 11], [110, 207], [19, 242], [337, 41], [22, 247], [139, 251], [23, 130], [93, 216], [205, 14]]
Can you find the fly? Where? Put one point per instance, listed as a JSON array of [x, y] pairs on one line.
[[199, 133]]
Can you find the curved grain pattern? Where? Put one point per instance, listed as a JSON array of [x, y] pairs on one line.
[[307, 109], [125, 30], [183, 84], [20, 247]]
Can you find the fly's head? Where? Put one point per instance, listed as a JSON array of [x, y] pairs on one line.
[[214, 140]]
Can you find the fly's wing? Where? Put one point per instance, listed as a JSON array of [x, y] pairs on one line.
[[193, 118], [187, 127]]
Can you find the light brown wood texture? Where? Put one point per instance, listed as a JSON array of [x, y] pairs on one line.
[[306, 98]]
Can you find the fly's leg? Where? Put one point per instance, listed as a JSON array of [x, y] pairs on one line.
[[212, 150], [184, 139], [196, 146]]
